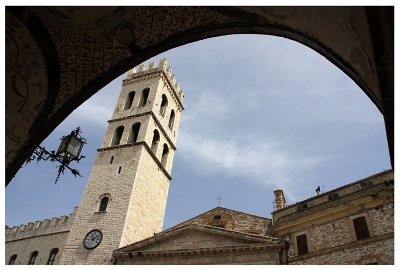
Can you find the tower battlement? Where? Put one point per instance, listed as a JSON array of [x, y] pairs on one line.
[[163, 67], [42, 227]]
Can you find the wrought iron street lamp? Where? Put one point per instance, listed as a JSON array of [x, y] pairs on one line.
[[68, 151]]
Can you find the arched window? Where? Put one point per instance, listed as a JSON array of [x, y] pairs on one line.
[[33, 257], [164, 104], [171, 120], [154, 142], [117, 136], [134, 133], [103, 204], [12, 260], [164, 155], [52, 257], [129, 100], [145, 95]]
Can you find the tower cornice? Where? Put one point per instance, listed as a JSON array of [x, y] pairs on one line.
[[155, 120], [146, 147]]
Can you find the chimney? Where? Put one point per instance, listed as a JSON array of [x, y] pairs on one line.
[[279, 199]]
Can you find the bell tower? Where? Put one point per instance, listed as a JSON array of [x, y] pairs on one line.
[[126, 193]]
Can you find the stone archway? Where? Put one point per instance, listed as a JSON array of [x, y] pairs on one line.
[[58, 57]]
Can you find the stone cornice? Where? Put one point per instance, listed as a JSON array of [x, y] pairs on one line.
[[331, 214], [342, 247], [164, 235], [153, 74], [333, 190], [148, 150], [198, 251], [329, 204], [155, 120]]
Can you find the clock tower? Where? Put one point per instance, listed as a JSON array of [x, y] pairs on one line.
[[126, 193]]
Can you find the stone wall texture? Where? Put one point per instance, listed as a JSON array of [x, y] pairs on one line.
[[233, 220], [132, 174], [41, 236], [336, 243]]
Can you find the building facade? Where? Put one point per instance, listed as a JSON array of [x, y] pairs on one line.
[[125, 197], [353, 224], [120, 217]]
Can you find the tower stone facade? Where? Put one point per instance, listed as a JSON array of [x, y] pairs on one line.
[[126, 194]]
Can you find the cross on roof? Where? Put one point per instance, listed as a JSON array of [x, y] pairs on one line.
[[219, 200]]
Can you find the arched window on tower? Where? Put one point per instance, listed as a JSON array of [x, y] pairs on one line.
[[145, 95], [52, 257], [154, 142], [133, 135], [164, 104], [171, 120], [12, 260], [129, 100], [117, 136], [164, 156], [33, 257], [103, 204]]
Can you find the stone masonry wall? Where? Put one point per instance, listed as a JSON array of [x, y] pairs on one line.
[[136, 184], [148, 201], [41, 236], [339, 239], [105, 180], [233, 220]]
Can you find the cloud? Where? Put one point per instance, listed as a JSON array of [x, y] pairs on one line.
[[257, 159]]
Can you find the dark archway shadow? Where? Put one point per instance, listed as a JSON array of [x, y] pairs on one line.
[[139, 56]]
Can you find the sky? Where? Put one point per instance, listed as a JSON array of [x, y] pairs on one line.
[[261, 113]]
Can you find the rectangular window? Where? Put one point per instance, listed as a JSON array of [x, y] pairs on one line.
[[217, 217], [302, 247], [357, 187], [366, 184], [361, 228], [333, 196], [220, 226]]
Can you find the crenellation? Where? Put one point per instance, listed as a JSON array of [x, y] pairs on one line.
[[54, 221], [152, 65], [37, 228], [163, 64], [142, 68], [134, 76], [38, 224], [30, 226], [22, 228], [169, 72], [181, 95], [46, 223], [63, 219], [130, 72]]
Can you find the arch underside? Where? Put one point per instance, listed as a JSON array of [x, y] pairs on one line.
[[81, 54]]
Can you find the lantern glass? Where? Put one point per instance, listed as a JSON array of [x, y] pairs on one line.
[[74, 146], [63, 144]]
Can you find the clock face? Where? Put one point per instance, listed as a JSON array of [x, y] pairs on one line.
[[92, 239]]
